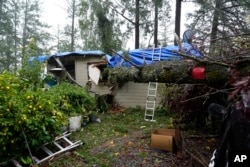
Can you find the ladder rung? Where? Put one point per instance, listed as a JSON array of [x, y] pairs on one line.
[[150, 95], [68, 141], [58, 145], [151, 101], [65, 134], [150, 108], [151, 120], [46, 150]]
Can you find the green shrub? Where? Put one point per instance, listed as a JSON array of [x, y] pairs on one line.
[[72, 99], [25, 111]]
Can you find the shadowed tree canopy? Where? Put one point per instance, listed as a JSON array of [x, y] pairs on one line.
[[224, 38], [218, 72]]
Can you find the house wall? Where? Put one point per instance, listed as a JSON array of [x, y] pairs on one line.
[[130, 95], [81, 74], [81, 67], [134, 94]]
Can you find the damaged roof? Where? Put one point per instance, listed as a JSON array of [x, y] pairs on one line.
[[44, 58]]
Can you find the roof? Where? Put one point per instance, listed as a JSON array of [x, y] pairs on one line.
[[41, 58], [44, 58], [141, 57], [81, 53], [138, 57]]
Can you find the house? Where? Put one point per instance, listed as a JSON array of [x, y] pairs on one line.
[[85, 69]]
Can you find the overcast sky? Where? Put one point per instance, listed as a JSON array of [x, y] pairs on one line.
[[55, 14]]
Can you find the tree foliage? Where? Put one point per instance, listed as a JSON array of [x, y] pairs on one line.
[[221, 26], [20, 21], [124, 18], [68, 37]]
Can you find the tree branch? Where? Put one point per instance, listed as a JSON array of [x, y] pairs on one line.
[[131, 21], [138, 67], [202, 60]]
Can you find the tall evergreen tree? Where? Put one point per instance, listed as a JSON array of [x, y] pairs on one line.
[[32, 27], [70, 36], [97, 29], [128, 19], [218, 19], [88, 24], [6, 35]]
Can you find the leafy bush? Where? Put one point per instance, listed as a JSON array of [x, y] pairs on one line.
[[72, 99], [25, 112]]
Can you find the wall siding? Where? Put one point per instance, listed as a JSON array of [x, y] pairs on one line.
[[100, 88], [81, 68], [134, 94], [130, 95], [81, 71]]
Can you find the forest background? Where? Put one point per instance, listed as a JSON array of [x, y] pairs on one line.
[[106, 25]]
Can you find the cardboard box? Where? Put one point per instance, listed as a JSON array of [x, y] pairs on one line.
[[166, 139]]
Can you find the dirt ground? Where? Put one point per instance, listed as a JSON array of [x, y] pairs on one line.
[[135, 151]]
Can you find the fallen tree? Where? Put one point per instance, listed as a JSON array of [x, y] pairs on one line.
[[216, 73], [191, 91]]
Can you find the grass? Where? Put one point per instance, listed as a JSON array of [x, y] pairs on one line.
[[106, 140]]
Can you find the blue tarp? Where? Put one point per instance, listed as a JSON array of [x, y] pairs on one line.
[[141, 57], [80, 53], [44, 58]]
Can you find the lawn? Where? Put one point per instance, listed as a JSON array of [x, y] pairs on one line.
[[119, 137]]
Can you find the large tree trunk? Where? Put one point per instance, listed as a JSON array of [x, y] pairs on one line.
[[180, 72], [137, 24], [177, 19], [156, 25]]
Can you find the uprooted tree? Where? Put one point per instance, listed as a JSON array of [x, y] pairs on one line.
[[220, 72], [217, 73]]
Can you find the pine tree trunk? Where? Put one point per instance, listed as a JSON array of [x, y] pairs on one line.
[[179, 72]]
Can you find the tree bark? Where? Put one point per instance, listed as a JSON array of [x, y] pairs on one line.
[[137, 24], [156, 25], [217, 74], [177, 19]]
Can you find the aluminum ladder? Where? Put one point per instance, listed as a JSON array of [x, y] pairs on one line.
[[152, 90], [150, 102], [156, 54], [49, 150]]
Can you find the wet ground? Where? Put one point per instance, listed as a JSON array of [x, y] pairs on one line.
[[135, 151]]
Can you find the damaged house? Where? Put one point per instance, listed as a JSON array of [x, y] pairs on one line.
[[85, 68]]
